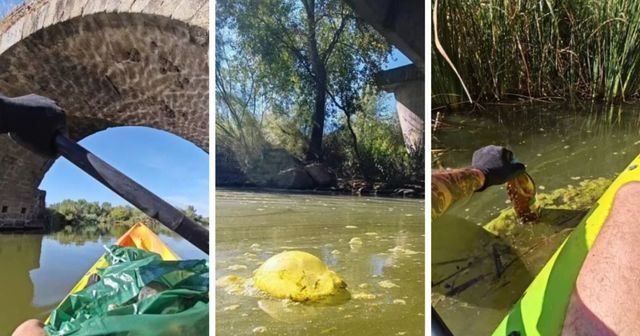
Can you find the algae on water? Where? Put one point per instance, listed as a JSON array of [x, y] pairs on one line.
[[573, 197]]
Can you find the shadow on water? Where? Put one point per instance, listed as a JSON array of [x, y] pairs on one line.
[[479, 270]]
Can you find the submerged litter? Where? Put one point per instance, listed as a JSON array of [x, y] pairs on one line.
[[297, 275]]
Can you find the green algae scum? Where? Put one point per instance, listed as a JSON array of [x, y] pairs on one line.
[[483, 257], [369, 251]]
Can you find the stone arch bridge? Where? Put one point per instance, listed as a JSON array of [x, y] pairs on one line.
[[108, 63]]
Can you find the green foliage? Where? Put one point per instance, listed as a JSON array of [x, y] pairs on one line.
[[80, 220], [120, 213], [507, 49], [276, 59], [382, 152]]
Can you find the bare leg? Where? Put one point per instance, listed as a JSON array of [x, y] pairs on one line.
[[606, 300], [30, 328]]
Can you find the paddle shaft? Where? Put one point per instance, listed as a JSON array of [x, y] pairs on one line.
[[136, 194]]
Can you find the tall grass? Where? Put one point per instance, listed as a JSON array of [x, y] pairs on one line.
[[584, 49]]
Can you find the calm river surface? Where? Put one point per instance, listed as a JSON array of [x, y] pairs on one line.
[[560, 145], [37, 271], [252, 226]]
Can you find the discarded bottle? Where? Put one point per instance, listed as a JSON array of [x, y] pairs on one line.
[[522, 192]]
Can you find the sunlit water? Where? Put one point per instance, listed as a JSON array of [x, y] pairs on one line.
[[37, 271], [251, 227], [560, 145]]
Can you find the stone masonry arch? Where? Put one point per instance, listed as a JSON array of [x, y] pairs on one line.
[[107, 63]]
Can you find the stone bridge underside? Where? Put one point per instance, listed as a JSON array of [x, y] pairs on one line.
[[107, 63]]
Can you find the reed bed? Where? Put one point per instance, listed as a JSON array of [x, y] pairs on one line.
[[584, 49]]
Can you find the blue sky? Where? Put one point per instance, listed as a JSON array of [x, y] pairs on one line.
[[166, 164], [395, 60], [7, 5]]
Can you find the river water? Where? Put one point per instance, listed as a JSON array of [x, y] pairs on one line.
[[38, 270], [388, 267], [561, 145]]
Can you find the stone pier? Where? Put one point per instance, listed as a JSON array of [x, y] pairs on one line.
[[402, 24]]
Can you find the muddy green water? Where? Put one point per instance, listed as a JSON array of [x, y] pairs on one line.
[[560, 145], [37, 271], [251, 227]]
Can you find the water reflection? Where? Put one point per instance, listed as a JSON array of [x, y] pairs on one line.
[[378, 263], [19, 257]]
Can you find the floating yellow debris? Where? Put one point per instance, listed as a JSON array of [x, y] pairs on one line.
[[231, 307], [355, 241], [236, 267], [399, 249], [233, 284], [387, 284], [351, 227], [259, 330], [399, 301], [297, 275], [363, 296], [329, 331]]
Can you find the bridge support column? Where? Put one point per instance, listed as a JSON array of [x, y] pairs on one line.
[[407, 85], [22, 210]]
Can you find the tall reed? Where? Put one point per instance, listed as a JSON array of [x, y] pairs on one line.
[[584, 49]]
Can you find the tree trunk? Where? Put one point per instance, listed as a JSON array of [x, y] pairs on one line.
[[314, 151]]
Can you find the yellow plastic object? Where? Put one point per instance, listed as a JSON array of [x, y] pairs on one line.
[[297, 275], [139, 236], [542, 309]]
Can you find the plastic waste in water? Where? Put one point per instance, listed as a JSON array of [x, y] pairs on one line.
[[522, 192]]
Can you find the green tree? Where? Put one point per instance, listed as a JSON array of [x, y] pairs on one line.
[[80, 220], [305, 50], [120, 213]]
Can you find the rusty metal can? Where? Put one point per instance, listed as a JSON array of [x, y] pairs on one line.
[[522, 192]]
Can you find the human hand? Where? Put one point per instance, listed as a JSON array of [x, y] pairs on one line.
[[33, 121], [497, 164]]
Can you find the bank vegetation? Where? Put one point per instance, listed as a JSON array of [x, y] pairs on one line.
[[532, 50]]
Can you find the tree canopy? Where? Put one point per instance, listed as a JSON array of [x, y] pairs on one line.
[[304, 59]]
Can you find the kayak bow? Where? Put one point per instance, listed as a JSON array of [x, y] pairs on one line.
[[139, 236]]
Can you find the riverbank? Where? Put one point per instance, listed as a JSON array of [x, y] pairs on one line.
[[278, 171]]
